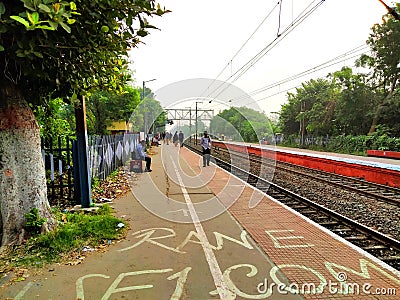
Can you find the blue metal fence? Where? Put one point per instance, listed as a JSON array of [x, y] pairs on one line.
[[106, 154]]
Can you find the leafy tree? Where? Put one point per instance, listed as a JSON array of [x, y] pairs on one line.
[[104, 107], [384, 60], [354, 104], [248, 123], [310, 109], [288, 116], [390, 115], [59, 48], [317, 98], [97, 112], [148, 116], [221, 123], [52, 118]]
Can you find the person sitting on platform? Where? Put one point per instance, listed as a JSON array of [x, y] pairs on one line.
[[141, 154], [154, 141]]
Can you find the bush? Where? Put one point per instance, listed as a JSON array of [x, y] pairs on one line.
[[34, 222], [75, 230], [357, 145]]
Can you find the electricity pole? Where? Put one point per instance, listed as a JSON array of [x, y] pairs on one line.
[[195, 137], [145, 113]]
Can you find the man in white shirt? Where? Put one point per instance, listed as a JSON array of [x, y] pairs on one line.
[[205, 143]]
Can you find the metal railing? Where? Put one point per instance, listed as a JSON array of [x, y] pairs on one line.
[[105, 155]]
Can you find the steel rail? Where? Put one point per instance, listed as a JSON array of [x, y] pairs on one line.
[[369, 189]]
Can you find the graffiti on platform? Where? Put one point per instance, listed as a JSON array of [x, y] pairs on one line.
[[282, 239], [264, 290], [114, 287], [277, 240], [154, 235]]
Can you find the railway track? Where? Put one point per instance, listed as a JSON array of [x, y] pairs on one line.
[[384, 247], [372, 190]]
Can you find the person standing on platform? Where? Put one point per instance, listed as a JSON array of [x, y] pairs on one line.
[[166, 138], [163, 136], [175, 139], [141, 154], [205, 143], [181, 137]]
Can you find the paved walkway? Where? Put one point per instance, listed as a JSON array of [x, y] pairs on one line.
[[170, 252], [185, 244]]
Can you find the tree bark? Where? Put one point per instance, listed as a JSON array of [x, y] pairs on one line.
[[22, 173]]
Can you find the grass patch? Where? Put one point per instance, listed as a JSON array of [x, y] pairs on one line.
[[74, 231]]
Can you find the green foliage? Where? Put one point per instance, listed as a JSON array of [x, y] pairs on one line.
[[345, 105], [360, 144], [288, 122], [52, 116], [104, 210], [104, 107], [75, 231], [33, 221], [113, 175], [351, 104], [357, 145], [95, 182], [385, 55], [384, 61], [354, 104], [80, 229], [148, 110], [242, 123], [312, 105], [76, 57], [45, 14]]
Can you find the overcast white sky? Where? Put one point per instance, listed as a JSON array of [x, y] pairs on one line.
[[198, 39]]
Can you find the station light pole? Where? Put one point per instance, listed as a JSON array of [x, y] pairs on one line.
[[190, 123], [144, 86], [142, 98], [196, 123]]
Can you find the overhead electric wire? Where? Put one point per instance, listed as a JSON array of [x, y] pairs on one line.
[[345, 56], [300, 84], [250, 37], [280, 92], [302, 16], [270, 46], [310, 71], [338, 59], [241, 47]]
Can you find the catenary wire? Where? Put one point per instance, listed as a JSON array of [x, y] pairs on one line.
[[241, 47], [338, 59], [241, 71]]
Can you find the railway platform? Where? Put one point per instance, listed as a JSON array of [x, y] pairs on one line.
[[202, 233], [379, 162], [379, 170]]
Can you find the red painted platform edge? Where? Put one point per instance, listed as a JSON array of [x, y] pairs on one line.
[[368, 173], [383, 153]]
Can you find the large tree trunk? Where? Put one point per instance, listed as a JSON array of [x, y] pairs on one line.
[[22, 173]]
